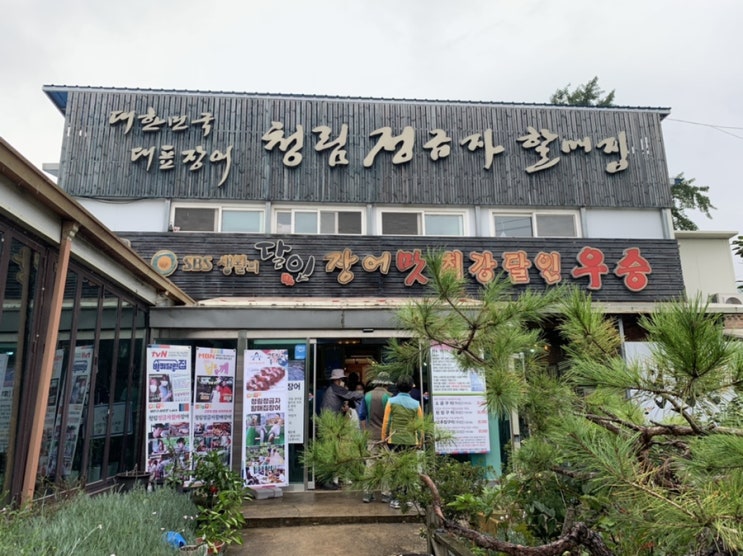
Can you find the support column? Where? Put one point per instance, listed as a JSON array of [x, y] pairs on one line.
[[69, 229]]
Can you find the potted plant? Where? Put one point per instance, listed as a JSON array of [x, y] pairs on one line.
[[219, 493]]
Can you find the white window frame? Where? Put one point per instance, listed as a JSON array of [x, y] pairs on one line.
[[293, 209], [422, 213], [533, 216], [218, 209]]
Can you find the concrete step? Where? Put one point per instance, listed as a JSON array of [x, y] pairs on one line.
[[322, 508]]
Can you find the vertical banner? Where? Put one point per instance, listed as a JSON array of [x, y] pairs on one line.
[[458, 398], [265, 417], [214, 401], [81, 367], [50, 435], [297, 396], [6, 401], [168, 409]]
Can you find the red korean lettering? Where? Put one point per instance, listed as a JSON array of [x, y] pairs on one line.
[[483, 267], [634, 269], [413, 261], [592, 265], [549, 266], [517, 265]]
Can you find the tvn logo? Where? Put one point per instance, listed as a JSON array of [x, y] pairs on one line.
[[169, 365]]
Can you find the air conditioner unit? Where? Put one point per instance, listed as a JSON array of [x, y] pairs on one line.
[[727, 298]]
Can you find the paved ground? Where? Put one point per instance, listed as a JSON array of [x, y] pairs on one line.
[[369, 539], [328, 524]]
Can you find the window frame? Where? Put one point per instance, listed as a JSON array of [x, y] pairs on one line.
[[533, 215], [293, 209], [422, 213], [218, 209]]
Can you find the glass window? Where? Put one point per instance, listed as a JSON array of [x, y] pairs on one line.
[[305, 222], [249, 221], [349, 222], [444, 225], [401, 223], [327, 222], [189, 219], [284, 222], [556, 225], [513, 225]]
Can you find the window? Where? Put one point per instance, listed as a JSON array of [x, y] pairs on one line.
[[422, 223], [535, 225], [299, 221], [189, 218], [249, 221]]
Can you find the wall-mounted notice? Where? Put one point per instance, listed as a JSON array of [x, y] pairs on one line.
[[265, 411], [458, 402], [169, 438]]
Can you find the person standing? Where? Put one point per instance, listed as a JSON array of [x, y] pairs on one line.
[[375, 402], [401, 411], [333, 398], [337, 392]]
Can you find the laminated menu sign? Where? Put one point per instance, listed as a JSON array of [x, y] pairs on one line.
[[265, 410], [214, 401], [169, 437], [458, 402]]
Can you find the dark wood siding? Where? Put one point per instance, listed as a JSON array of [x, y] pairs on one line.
[[664, 283], [96, 155]]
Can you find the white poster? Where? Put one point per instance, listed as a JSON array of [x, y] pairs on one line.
[[458, 402], [265, 411], [169, 437], [214, 401], [6, 400], [81, 367], [297, 396], [50, 434]]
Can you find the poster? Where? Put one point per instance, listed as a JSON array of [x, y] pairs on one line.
[[82, 364], [458, 402], [169, 437], [214, 401], [50, 433], [265, 412], [296, 395], [6, 400]]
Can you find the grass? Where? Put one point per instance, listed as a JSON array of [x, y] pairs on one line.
[[127, 524]]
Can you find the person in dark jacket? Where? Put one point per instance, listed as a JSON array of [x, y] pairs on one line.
[[337, 392]]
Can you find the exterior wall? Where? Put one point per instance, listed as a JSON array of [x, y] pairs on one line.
[[625, 224], [707, 263], [270, 147], [145, 216]]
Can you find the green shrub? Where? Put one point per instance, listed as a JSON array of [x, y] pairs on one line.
[[124, 524]]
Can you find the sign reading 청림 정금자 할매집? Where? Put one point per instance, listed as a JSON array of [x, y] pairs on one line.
[[459, 408], [265, 411], [169, 437], [214, 402]]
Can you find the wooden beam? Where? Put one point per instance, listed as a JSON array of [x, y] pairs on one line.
[[69, 229]]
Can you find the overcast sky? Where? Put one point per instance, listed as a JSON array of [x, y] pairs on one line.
[[659, 53]]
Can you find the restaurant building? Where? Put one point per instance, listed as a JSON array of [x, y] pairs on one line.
[[74, 319], [301, 223]]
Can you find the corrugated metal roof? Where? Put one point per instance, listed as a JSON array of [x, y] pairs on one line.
[[58, 95]]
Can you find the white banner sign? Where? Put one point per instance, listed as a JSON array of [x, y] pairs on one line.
[[265, 411], [214, 401], [458, 402], [169, 437]]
